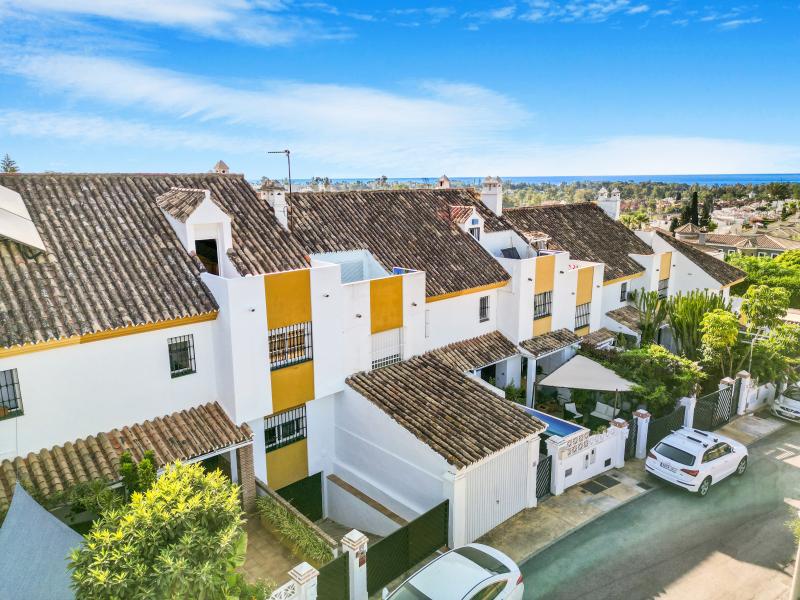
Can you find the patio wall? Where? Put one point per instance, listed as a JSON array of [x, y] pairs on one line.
[[581, 456]]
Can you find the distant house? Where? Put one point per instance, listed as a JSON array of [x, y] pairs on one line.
[[757, 244]]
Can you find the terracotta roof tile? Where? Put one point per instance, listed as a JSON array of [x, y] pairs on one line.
[[586, 232], [181, 202], [401, 228], [180, 436], [112, 258], [451, 413], [719, 270], [549, 342], [629, 316], [598, 337], [478, 352]]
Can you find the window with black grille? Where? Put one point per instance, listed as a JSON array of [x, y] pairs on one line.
[[181, 356], [285, 428], [475, 232], [543, 305], [663, 284], [623, 292], [290, 345], [483, 309], [582, 314], [10, 397]]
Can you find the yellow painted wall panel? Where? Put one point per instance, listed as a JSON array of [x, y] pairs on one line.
[[545, 273], [287, 465], [582, 331], [666, 266], [584, 291], [386, 303], [292, 386], [542, 326], [288, 297]]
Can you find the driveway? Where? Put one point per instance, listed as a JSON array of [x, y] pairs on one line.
[[669, 544]]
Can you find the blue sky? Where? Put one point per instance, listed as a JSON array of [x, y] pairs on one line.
[[360, 89]]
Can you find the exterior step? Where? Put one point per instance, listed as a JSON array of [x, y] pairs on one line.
[[389, 514]]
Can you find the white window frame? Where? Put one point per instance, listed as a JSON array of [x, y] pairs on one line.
[[475, 232], [583, 311]]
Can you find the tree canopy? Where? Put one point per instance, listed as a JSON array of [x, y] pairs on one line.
[[7, 165], [782, 271], [182, 538]]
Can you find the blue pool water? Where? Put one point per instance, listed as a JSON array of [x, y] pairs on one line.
[[555, 426]]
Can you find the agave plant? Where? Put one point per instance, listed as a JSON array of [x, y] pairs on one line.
[[685, 313], [653, 314]]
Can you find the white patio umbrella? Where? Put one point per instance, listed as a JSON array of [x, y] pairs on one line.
[[583, 373]]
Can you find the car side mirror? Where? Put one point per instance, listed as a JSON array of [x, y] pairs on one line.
[[384, 593]]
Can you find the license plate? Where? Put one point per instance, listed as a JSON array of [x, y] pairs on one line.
[[668, 467]]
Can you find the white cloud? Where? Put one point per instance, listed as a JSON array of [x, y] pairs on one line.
[[256, 22], [502, 13], [736, 23], [637, 10]]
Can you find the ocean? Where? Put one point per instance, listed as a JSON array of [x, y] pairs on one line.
[[754, 178]]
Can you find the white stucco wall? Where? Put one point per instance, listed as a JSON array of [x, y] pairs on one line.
[[382, 459], [414, 314], [564, 292], [515, 301], [685, 275], [457, 318], [242, 343], [327, 300], [76, 391]]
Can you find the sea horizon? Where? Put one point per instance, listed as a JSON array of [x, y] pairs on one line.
[[699, 179]]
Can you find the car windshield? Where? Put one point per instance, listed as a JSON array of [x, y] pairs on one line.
[[793, 393], [408, 592], [488, 562], [673, 453]]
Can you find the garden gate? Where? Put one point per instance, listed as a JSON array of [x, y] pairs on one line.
[[333, 582], [305, 495], [630, 443], [544, 471], [661, 427], [717, 408], [401, 550]]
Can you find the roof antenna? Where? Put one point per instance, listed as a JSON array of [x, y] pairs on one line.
[[288, 154]]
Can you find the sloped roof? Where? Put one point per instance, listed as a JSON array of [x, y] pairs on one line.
[[401, 228], [549, 342], [597, 338], [182, 435], [460, 214], [112, 258], [34, 551], [452, 414], [719, 270], [181, 202], [628, 315], [586, 232], [687, 228], [478, 352]]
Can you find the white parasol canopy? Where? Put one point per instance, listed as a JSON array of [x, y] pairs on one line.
[[583, 373]]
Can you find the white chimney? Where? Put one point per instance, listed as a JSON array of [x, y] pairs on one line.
[[492, 194], [444, 183], [275, 194], [611, 205]]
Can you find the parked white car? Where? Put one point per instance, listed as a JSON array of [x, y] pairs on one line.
[[472, 572], [787, 405], [695, 460]]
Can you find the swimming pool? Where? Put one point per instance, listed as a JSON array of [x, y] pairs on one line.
[[555, 426]]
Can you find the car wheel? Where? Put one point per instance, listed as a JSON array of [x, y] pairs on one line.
[[704, 487], [742, 466]]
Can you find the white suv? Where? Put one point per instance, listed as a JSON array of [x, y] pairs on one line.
[[787, 405], [695, 460]]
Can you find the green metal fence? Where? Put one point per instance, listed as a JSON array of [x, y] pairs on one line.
[[305, 495], [333, 582], [400, 551]]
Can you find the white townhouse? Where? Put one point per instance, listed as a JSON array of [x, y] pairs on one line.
[[352, 334]]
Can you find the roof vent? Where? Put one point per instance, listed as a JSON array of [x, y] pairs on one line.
[[15, 221]]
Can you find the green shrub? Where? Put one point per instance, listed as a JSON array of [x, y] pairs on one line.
[[182, 538], [297, 534], [515, 394]]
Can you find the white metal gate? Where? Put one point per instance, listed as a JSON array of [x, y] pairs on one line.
[[496, 490]]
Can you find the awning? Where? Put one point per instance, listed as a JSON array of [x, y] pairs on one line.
[[34, 551], [189, 434], [585, 374]]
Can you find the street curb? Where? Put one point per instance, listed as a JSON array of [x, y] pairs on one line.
[[620, 505], [588, 522]]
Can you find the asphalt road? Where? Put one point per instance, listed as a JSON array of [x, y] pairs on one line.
[[733, 544]]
